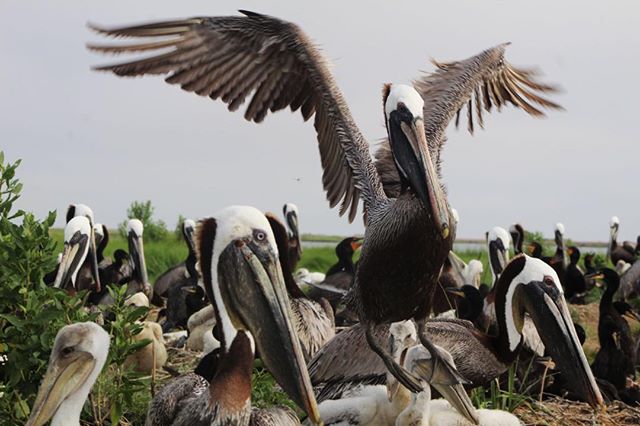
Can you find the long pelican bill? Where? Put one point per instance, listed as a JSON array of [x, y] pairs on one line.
[[455, 394], [93, 253], [258, 302], [64, 376], [412, 155], [550, 313], [136, 251]]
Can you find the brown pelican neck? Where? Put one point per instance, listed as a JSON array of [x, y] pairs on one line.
[[230, 387]]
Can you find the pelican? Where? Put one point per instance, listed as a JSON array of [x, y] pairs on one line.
[[290, 212], [177, 274], [630, 281], [517, 236], [527, 285], [617, 252], [75, 210], [314, 321], [407, 238], [75, 257], [139, 279], [238, 261], [79, 353], [498, 245]]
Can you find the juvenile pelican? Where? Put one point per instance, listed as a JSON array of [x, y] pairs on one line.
[[79, 353], [407, 238]]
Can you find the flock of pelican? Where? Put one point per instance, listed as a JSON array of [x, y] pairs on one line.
[[388, 356]]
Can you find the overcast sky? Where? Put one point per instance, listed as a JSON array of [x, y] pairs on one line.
[[106, 141]]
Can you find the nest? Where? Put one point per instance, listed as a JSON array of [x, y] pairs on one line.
[[559, 411]]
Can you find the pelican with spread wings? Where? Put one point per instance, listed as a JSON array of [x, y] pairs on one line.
[[409, 228]]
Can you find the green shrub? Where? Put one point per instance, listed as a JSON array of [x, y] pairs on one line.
[[32, 313], [154, 230]]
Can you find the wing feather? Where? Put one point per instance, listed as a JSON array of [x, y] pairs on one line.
[[230, 58]]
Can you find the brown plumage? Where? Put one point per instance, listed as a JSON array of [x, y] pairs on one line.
[[407, 238], [230, 57], [485, 80]]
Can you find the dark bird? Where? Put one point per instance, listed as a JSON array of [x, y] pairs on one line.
[[176, 275], [290, 213], [615, 251], [527, 286], [616, 359], [339, 278], [238, 259], [574, 283], [407, 238]]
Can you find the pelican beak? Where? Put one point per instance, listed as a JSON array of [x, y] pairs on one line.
[[188, 236], [632, 316], [136, 251], [258, 301], [548, 309], [64, 376], [456, 394], [497, 256], [93, 253], [73, 255], [413, 159], [292, 221], [455, 292]]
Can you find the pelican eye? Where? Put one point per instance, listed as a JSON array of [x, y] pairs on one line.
[[549, 281], [259, 235], [68, 350]]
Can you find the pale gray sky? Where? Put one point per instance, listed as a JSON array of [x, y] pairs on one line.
[[105, 141]]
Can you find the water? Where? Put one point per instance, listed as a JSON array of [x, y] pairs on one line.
[[466, 246]]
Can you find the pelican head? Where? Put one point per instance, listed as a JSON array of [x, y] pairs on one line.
[[76, 210], [529, 285], [79, 353], [77, 240], [290, 212], [405, 126], [402, 336], [559, 234], [188, 228], [135, 228], [499, 241], [241, 274]]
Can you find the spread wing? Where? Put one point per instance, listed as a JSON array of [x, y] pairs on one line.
[[232, 57], [479, 83]]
